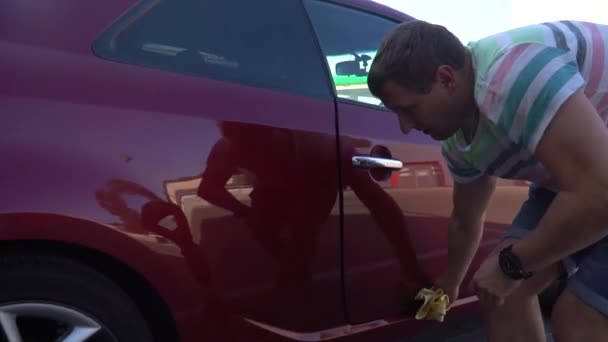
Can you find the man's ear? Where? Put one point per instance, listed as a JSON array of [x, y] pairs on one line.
[[446, 76]]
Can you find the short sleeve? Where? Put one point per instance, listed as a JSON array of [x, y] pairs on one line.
[[460, 170], [526, 87]]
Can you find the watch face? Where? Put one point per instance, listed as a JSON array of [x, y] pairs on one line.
[[509, 266]]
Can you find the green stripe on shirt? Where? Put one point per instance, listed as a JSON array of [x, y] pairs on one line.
[[487, 51], [541, 104], [522, 84], [527, 35], [463, 173]]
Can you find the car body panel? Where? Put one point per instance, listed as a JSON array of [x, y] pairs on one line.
[[134, 162], [106, 161]]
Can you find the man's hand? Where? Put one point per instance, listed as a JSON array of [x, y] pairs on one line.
[[491, 284]]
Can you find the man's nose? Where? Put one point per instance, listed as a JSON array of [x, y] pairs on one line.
[[406, 124]]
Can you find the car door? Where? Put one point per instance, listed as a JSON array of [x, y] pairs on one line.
[[395, 221], [248, 153]]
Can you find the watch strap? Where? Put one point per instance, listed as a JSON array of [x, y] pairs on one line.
[[511, 265]]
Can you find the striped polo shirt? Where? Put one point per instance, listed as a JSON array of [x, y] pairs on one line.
[[522, 77]]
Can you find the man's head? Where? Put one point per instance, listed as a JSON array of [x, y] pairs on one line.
[[420, 72]]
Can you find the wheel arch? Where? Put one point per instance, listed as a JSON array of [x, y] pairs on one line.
[[160, 319]]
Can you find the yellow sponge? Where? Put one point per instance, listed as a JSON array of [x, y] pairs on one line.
[[435, 304]]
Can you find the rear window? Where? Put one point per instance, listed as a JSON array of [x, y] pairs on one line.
[[265, 44]]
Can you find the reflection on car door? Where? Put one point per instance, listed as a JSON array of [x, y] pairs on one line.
[[254, 168]]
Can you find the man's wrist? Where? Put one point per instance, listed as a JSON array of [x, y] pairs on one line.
[[523, 249]]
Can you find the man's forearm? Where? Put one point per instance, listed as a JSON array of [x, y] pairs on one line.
[[463, 241], [573, 222]]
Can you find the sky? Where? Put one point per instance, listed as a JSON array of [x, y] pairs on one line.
[[474, 19]]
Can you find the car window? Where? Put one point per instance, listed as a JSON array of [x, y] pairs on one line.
[[260, 43], [349, 39]]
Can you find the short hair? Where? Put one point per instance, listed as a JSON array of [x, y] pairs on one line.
[[410, 55]]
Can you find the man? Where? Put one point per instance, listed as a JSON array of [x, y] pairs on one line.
[[528, 104]]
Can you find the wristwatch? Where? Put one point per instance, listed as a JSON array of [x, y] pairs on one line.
[[511, 265]]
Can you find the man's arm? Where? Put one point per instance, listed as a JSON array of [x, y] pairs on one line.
[[466, 225], [221, 165], [574, 149]]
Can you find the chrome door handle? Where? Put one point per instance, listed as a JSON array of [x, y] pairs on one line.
[[367, 162]]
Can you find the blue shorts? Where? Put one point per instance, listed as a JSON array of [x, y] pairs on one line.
[[587, 269]]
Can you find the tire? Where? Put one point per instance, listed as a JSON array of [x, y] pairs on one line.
[[47, 282]]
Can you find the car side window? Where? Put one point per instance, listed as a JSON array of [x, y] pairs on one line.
[[349, 39], [266, 44]]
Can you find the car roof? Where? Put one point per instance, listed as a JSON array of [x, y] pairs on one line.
[[19, 18], [374, 7]]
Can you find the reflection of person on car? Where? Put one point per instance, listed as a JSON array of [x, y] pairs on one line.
[[216, 326], [112, 199], [218, 316], [295, 184], [149, 219]]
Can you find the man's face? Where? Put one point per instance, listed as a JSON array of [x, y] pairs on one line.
[[438, 114]]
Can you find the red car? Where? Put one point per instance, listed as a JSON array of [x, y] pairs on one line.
[[203, 170]]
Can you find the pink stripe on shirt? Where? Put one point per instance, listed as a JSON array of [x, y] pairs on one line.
[[597, 68], [499, 76]]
